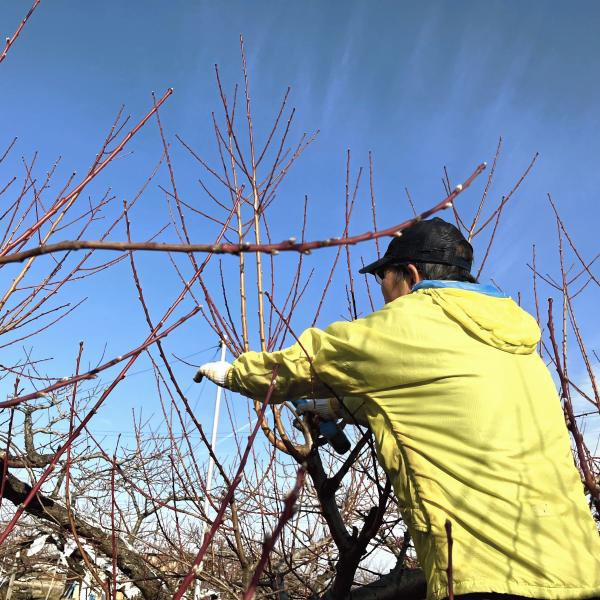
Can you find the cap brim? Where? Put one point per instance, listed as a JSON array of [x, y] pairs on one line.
[[374, 266]]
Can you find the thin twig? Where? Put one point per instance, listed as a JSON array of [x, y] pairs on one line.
[[269, 543], [449, 574], [11, 40], [228, 496]]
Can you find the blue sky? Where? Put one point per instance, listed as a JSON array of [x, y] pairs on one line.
[[421, 85]]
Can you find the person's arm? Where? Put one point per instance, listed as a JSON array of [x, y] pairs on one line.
[[321, 363], [317, 364]]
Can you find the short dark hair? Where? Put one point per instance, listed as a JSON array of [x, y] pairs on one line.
[[442, 272]]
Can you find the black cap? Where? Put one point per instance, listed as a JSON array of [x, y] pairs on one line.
[[434, 241]]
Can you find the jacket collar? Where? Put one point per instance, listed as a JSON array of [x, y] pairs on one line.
[[482, 288]]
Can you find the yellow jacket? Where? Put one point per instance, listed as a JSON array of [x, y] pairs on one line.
[[468, 425]]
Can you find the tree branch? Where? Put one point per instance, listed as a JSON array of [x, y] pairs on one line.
[[228, 248], [129, 562]]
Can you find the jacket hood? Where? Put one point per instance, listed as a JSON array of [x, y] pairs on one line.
[[497, 321]]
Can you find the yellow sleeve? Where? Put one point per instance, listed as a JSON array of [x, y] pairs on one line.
[[319, 362]]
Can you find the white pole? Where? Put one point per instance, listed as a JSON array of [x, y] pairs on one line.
[[211, 466], [213, 439]]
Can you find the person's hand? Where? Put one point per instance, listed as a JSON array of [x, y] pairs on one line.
[[326, 408], [215, 371]]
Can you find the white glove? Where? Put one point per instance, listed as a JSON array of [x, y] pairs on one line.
[[215, 371], [327, 408]]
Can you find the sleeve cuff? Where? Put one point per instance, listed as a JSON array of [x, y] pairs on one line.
[[230, 380]]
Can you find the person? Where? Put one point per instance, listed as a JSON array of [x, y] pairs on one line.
[[465, 417]]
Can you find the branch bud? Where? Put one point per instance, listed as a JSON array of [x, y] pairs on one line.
[[448, 205], [458, 188]]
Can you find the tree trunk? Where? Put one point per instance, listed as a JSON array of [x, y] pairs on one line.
[[130, 563]]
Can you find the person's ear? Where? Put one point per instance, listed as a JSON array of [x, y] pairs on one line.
[[414, 276]]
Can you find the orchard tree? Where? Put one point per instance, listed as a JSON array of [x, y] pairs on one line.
[[287, 516]]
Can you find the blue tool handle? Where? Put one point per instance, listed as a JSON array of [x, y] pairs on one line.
[[332, 434], [335, 436]]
